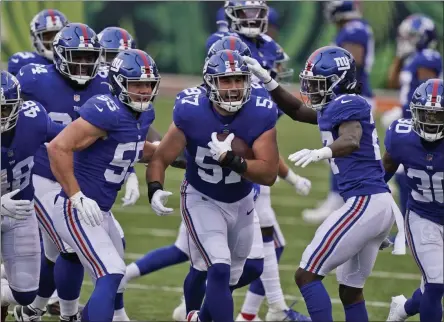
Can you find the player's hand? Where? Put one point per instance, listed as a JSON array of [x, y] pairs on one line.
[[17, 209], [218, 149], [404, 49], [87, 209], [132, 193], [257, 69], [305, 157], [302, 186], [158, 201]]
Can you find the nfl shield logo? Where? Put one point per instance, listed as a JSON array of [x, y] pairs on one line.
[[76, 97], [429, 157]]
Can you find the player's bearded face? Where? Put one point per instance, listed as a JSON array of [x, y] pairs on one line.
[[231, 88], [83, 62], [312, 90], [140, 91], [433, 121]]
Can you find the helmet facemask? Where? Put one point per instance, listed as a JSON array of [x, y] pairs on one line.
[[281, 72], [79, 64], [10, 109], [147, 89], [43, 42], [317, 91], [229, 91], [428, 122], [248, 20]]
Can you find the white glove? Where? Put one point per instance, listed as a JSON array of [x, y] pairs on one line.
[[17, 209], [87, 209], [302, 186], [261, 73], [132, 193], [404, 49], [304, 157], [217, 148], [158, 201]]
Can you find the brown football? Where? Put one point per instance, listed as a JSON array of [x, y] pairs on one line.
[[238, 146]]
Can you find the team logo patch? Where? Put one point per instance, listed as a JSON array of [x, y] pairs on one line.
[[76, 97]]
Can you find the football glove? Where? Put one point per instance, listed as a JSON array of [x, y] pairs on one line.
[[87, 209], [17, 209]]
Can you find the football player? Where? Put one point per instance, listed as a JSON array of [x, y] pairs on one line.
[[217, 197], [62, 87], [356, 36], [113, 40], [24, 127], [418, 144], [108, 138], [416, 61], [44, 26], [345, 239]]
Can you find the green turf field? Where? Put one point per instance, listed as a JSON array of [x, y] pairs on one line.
[[154, 297]]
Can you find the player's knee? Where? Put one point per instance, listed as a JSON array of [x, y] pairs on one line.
[[24, 298], [350, 295], [219, 272], [303, 277], [254, 268], [267, 231], [72, 257]]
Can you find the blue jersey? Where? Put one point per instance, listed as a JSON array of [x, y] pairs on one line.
[[23, 58], [360, 173], [196, 117], [19, 146], [263, 48], [101, 168], [424, 168], [256, 90], [47, 86], [358, 31], [408, 78]]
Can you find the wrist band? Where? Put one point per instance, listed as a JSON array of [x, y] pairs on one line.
[[234, 162], [152, 188]]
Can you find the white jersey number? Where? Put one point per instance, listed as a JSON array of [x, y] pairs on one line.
[[217, 174], [327, 139], [21, 176], [124, 164], [430, 189]]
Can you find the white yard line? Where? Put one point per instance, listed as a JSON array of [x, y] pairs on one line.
[[291, 268]]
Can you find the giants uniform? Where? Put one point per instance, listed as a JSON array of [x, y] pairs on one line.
[[20, 238], [358, 31], [350, 237], [46, 85], [23, 58], [424, 168], [100, 170], [217, 203], [408, 78]]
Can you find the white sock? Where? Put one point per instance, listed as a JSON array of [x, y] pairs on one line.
[[69, 307], [3, 272], [132, 271], [270, 279], [120, 315], [40, 303], [252, 303]]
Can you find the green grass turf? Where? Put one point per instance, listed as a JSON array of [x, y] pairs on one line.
[[155, 296]]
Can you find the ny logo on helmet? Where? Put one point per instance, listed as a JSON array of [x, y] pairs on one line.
[[115, 65], [342, 63]]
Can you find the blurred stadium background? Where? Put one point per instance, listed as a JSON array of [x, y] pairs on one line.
[[174, 33]]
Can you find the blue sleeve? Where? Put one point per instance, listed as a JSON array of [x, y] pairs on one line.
[[432, 62], [351, 110], [27, 80], [272, 119], [353, 33], [220, 17], [53, 129], [14, 64], [179, 115], [189, 92], [390, 149], [96, 112]]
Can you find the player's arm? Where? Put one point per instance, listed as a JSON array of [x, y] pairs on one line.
[[393, 74], [349, 139], [53, 129], [153, 135], [77, 136], [390, 166], [166, 152]]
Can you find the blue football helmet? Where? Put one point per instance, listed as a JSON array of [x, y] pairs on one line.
[[336, 11], [228, 80], [10, 101], [134, 66], [417, 32], [427, 107], [77, 52], [329, 72], [113, 40], [44, 26], [248, 18], [231, 43]]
